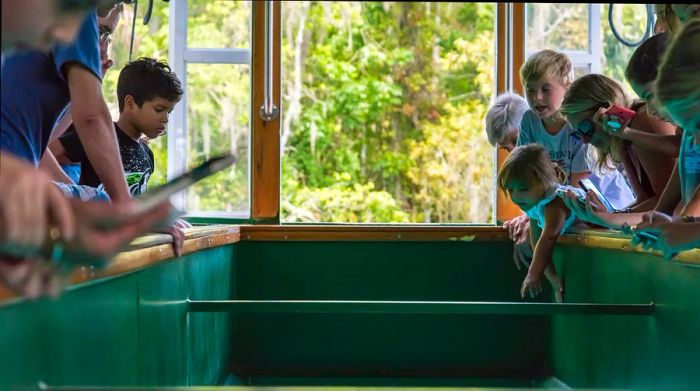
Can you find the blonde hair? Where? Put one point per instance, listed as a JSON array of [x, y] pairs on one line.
[[527, 163], [547, 63], [678, 85], [588, 93]]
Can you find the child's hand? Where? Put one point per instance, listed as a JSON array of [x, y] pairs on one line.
[[531, 284], [182, 223], [178, 238], [673, 236]]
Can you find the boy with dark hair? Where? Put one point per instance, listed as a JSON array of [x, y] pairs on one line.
[[147, 91]]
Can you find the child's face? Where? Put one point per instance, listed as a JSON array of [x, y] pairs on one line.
[[152, 117], [525, 195], [545, 96], [589, 131]]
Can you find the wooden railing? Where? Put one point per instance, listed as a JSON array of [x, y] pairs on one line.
[[152, 249]]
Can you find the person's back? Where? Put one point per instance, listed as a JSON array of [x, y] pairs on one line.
[[27, 115]]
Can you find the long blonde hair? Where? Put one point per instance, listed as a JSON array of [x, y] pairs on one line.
[[527, 163], [588, 93], [678, 85]]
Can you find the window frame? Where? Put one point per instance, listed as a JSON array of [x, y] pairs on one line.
[[180, 54], [265, 153]]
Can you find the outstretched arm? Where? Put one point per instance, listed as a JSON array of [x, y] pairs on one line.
[[554, 217]]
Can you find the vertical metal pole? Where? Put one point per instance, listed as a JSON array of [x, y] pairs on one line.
[[268, 110], [177, 126], [594, 38]]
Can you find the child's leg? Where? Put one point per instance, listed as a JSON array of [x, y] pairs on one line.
[[556, 282]]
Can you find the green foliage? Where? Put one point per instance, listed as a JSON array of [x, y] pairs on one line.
[[343, 201], [630, 21], [218, 95], [385, 124], [385, 87]]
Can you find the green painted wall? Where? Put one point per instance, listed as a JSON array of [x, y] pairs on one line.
[[131, 330], [658, 352], [378, 345], [134, 330]]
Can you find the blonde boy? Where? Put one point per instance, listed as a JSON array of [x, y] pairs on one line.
[[546, 75]]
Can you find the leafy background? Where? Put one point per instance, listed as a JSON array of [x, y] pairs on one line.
[[383, 103]]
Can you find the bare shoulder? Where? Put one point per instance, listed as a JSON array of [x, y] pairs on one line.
[[650, 124], [556, 209]]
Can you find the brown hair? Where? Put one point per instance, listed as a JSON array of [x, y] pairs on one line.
[[644, 63], [530, 162]]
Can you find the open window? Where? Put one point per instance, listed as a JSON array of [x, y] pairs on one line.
[[382, 103], [383, 107]]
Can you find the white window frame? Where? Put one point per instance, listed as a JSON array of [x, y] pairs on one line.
[[179, 56], [591, 58]]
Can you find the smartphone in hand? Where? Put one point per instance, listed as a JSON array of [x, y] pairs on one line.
[[152, 198], [618, 115], [587, 185]]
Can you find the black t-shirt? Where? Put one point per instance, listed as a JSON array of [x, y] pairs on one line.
[[137, 159]]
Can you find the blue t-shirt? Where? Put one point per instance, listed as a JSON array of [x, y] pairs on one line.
[[568, 152], [536, 213], [35, 91]]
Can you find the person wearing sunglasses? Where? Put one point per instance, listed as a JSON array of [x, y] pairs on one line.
[[585, 107]]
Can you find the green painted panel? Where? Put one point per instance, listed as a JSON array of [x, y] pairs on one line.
[[439, 271], [384, 345], [63, 341], [135, 329], [662, 351], [209, 340], [389, 346], [130, 330]]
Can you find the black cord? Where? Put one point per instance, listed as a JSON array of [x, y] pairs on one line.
[[647, 31], [133, 28], [149, 11]]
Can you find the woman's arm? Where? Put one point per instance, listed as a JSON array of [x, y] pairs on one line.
[[648, 132], [671, 196], [692, 208], [593, 211], [667, 145]]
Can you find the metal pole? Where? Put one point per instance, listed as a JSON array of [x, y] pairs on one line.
[[416, 307], [268, 110]]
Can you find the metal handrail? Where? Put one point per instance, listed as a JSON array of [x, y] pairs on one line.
[[268, 110], [415, 307]]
